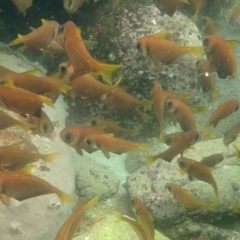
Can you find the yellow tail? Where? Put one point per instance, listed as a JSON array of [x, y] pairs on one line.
[[135, 131], [144, 116], [64, 197], [207, 134], [235, 207], [237, 151], [26, 126], [213, 206], [46, 100], [150, 159], [161, 137], [18, 40], [197, 51], [106, 71], [215, 93], [65, 88], [50, 157], [148, 104]]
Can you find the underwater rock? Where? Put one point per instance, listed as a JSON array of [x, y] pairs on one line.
[[149, 184], [93, 179]]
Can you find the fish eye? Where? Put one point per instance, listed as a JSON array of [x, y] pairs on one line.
[[138, 46], [63, 69], [68, 137], [205, 42], [169, 104], [168, 187], [168, 141], [45, 127], [236, 108], [94, 122], [88, 142], [132, 202], [204, 21], [197, 137], [181, 164], [197, 63]]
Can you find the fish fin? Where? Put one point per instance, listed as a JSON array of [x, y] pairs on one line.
[[232, 43], [119, 80], [106, 154], [27, 169], [202, 109], [31, 72], [198, 51], [213, 206], [150, 159], [50, 157], [161, 137], [215, 93], [185, 1], [32, 28], [79, 151], [106, 71], [91, 203], [44, 21], [148, 104], [100, 127], [47, 101], [64, 197], [135, 131], [18, 145], [207, 134], [9, 83], [194, 17], [16, 41], [22, 49], [26, 126], [143, 115], [237, 151], [130, 152], [89, 44], [5, 199], [181, 172], [160, 34], [65, 88], [115, 122], [235, 207], [183, 95]]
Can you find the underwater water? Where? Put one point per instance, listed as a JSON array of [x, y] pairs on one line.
[[119, 120]]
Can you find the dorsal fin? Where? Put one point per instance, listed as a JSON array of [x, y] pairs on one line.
[[44, 21]]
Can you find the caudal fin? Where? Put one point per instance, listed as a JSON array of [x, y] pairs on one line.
[[50, 157], [26, 126], [143, 115], [197, 51], [106, 71], [148, 104], [64, 88], [64, 197], [46, 100], [18, 40], [150, 159]]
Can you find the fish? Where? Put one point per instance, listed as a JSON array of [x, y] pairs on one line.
[[185, 200], [38, 85], [107, 143], [234, 14], [220, 55], [14, 158], [119, 100], [212, 160], [181, 114], [231, 134], [205, 79], [22, 101], [143, 216], [235, 207], [43, 125], [22, 186], [223, 111], [237, 151], [87, 89], [113, 127], [209, 27], [168, 7], [71, 6], [142, 235], [199, 171], [22, 5], [75, 136], [7, 121], [80, 58], [71, 225], [40, 38], [161, 51], [158, 106], [190, 138], [173, 137], [4, 70]]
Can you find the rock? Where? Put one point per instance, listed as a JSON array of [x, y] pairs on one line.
[[149, 184], [92, 179]]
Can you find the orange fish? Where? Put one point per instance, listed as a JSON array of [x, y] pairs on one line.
[[87, 89], [181, 114], [13, 158], [212, 160], [199, 171], [22, 101], [4, 70], [43, 125], [122, 102], [168, 7], [173, 137], [38, 85], [162, 51], [234, 14], [220, 55], [74, 137], [23, 5], [7, 121], [40, 38], [176, 148], [209, 27], [107, 143], [231, 134], [113, 127], [189, 203], [80, 58], [158, 106], [23, 186], [222, 112], [71, 225], [205, 79]]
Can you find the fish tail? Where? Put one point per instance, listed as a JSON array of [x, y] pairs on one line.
[[144, 116], [65, 88], [194, 17], [215, 93], [213, 206], [161, 137], [237, 151], [91, 203], [26, 126], [135, 131], [202, 109], [50, 157], [207, 134], [106, 71], [148, 104], [27, 169], [64, 197], [198, 51], [16, 41], [150, 159], [235, 207], [185, 1], [46, 100]]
